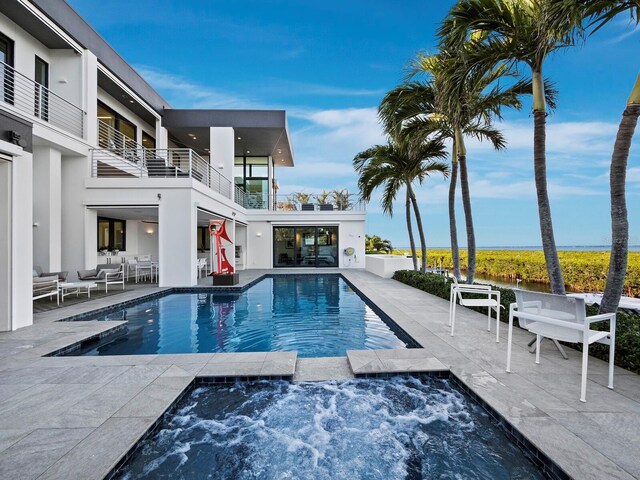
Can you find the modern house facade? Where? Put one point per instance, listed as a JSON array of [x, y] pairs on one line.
[[96, 167]]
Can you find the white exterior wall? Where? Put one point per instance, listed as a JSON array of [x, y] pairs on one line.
[[351, 232], [222, 150], [177, 227], [74, 172], [17, 218], [47, 208]]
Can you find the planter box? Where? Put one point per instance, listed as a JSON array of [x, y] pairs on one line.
[[385, 265], [225, 280]]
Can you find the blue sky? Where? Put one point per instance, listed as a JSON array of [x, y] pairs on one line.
[[329, 64]]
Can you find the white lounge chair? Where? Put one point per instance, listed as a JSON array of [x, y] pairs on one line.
[[492, 302], [113, 276], [46, 287], [563, 318]]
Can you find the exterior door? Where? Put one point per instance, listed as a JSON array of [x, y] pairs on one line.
[[41, 107], [305, 246], [6, 70]]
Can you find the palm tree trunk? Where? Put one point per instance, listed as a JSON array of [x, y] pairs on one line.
[[423, 241], [466, 204], [540, 173], [619, 222], [453, 231], [410, 231]]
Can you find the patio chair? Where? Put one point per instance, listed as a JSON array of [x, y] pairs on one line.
[[113, 276], [201, 264], [562, 318], [37, 272], [94, 274], [46, 287], [491, 300]]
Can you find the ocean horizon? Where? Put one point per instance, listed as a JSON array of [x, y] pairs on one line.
[[574, 248]]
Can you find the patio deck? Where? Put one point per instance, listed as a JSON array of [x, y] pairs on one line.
[[75, 417]]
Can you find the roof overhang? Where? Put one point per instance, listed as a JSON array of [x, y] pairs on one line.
[[257, 132]]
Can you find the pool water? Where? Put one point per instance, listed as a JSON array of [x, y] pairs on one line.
[[315, 315], [402, 428]]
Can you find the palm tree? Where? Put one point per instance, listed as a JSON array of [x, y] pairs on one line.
[[399, 164], [375, 243], [425, 109], [517, 32], [596, 13]]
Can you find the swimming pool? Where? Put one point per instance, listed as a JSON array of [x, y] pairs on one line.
[[367, 428], [315, 315]]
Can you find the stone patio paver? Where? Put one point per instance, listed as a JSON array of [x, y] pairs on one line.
[[79, 415]]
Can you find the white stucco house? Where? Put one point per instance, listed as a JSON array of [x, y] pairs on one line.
[[96, 167]]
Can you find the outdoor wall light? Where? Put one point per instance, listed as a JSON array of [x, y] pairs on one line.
[[150, 231], [220, 166], [258, 234]]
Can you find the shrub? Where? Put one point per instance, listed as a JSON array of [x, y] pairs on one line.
[[627, 327]]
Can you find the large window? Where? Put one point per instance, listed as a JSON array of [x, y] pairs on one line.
[[112, 234], [6, 73], [305, 246], [106, 137], [252, 175]]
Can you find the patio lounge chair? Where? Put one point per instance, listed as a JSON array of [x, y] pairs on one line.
[[492, 302], [88, 275], [112, 276], [561, 318], [37, 272], [46, 287]]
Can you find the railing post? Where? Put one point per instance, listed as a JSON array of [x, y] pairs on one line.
[[190, 163]]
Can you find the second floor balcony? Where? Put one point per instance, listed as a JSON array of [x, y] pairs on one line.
[[140, 162], [36, 100]]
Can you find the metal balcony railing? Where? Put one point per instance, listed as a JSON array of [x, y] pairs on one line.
[[112, 139], [140, 162], [342, 201], [36, 100]]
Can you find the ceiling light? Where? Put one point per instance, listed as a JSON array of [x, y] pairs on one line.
[[248, 151], [194, 137], [131, 101], [239, 138]]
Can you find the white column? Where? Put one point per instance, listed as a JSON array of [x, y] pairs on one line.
[[90, 239], [177, 245], [90, 103], [222, 146], [47, 208], [162, 136]]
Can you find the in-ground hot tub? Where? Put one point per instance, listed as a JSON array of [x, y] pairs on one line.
[[403, 427]]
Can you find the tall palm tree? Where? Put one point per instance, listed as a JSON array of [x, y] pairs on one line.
[[425, 109], [591, 15], [400, 163], [516, 32], [375, 243]]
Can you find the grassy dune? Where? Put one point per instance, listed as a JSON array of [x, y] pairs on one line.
[[583, 270]]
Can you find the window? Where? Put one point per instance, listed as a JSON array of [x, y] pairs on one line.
[[6, 72], [204, 239], [305, 246], [41, 106], [252, 175], [111, 120], [148, 141], [112, 234]]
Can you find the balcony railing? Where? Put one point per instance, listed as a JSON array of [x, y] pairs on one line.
[[140, 162], [112, 139], [36, 100], [341, 202]]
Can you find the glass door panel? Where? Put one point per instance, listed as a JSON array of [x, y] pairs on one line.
[[41, 107], [258, 193], [284, 246], [306, 248], [327, 246], [6, 73]]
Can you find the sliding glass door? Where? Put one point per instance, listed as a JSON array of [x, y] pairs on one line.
[[305, 246]]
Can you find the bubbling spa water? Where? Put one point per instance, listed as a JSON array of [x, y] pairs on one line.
[[402, 428]]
